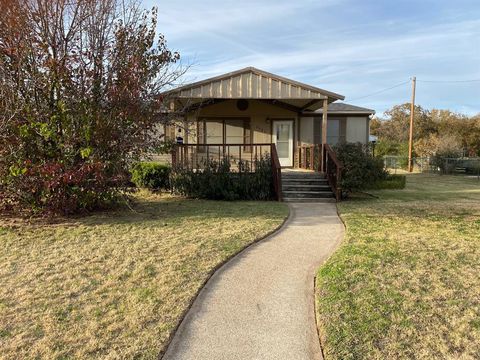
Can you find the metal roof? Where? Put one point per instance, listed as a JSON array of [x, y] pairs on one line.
[[343, 108], [252, 83]]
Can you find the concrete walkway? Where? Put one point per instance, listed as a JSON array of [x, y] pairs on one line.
[[260, 305]]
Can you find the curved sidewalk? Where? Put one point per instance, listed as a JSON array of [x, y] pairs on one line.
[[260, 305]]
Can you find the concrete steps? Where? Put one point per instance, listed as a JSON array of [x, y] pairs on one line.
[[305, 187], [310, 200]]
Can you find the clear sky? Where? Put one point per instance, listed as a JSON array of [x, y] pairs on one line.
[[351, 47]]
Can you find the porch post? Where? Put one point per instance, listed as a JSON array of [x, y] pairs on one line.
[[324, 131], [296, 157], [186, 131]]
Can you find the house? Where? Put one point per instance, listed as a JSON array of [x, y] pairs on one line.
[[245, 114], [251, 106]]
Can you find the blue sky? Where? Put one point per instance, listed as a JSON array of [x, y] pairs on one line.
[[351, 47]]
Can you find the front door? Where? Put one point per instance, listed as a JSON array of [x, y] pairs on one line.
[[283, 140]]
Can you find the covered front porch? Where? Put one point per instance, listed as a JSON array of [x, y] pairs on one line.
[[248, 115], [243, 111], [241, 158]]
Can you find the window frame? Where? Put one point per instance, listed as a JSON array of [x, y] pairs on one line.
[[247, 127]]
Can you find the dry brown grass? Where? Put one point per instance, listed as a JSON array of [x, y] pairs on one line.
[[114, 285], [405, 284]]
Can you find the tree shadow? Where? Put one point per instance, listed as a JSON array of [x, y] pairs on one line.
[[164, 210]]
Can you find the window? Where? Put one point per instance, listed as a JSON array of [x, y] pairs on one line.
[[234, 131], [169, 131], [247, 135], [213, 132], [225, 131], [333, 131]]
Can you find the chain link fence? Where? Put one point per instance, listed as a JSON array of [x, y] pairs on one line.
[[438, 165]]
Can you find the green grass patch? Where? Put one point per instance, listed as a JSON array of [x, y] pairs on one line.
[[404, 283], [391, 182], [3, 230], [115, 284]]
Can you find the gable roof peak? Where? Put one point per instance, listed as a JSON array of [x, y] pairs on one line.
[[301, 90]]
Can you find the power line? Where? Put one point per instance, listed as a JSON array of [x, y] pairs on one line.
[[425, 81], [449, 81], [380, 91]]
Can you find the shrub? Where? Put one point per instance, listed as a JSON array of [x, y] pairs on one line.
[[217, 181], [79, 105], [360, 168], [55, 187], [390, 182], [151, 175]]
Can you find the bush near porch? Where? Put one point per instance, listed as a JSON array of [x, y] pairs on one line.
[[404, 283], [360, 169], [217, 181], [151, 175]]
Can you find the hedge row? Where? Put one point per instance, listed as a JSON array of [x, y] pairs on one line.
[[217, 181], [151, 175]]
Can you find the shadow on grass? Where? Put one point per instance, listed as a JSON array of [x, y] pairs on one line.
[[427, 187], [151, 209]]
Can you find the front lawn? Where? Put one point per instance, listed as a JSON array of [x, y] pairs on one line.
[[406, 281], [114, 285]]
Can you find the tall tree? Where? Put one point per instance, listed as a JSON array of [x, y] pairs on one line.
[[434, 130], [80, 85], [398, 124]]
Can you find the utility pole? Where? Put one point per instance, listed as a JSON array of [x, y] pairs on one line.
[[412, 115]]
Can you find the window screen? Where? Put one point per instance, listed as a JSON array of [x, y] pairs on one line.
[[213, 131], [234, 131], [224, 131], [247, 135], [333, 131]]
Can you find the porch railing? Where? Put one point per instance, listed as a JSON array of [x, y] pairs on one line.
[[309, 157], [241, 157], [333, 170], [276, 172]]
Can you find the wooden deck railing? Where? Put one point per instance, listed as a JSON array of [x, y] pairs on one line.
[[276, 172], [309, 157], [241, 157], [333, 170]]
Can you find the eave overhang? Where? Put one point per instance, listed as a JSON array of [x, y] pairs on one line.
[[251, 84]]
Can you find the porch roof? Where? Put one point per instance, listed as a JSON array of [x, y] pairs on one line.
[[252, 83], [341, 109]]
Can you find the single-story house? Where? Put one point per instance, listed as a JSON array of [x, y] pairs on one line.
[[235, 112]]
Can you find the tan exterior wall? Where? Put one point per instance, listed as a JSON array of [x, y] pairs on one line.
[[357, 129], [350, 129], [260, 114], [307, 130], [161, 158]]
